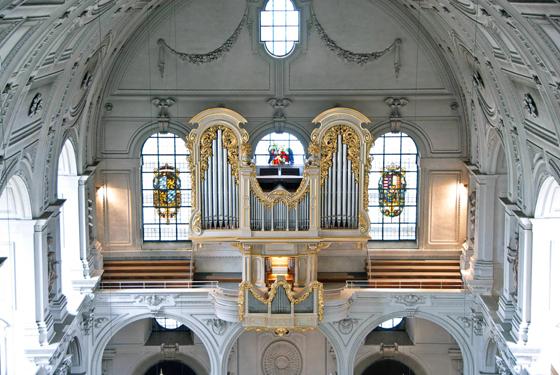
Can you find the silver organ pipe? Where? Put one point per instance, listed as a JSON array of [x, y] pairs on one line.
[[340, 192], [219, 189], [280, 216]]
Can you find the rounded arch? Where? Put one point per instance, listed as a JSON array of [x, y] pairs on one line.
[[451, 327], [290, 127], [405, 359], [490, 355], [108, 331], [548, 199], [141, 135], [185, 359], [413, 130], [14, 200], [261, 152], [67, 165]]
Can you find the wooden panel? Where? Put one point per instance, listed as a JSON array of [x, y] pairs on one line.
[[444, 208]]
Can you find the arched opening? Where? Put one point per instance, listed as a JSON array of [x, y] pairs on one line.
[[143, 345], [388, 367], [165, 188], [545, 282], [291, 354], [408, 346], [17, 279], [393, 188], [67, 189], [74, 350], [500, 191], [170, 368]]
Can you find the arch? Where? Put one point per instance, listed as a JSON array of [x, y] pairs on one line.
[[139, 137], [414, 131], [293, 142], [113, 326], [70, 257], [394, 189], [153, 360], [405, 359], [289, 127], [490, 355], [14, 200], [451, 327], [548, 199], [67, 165]]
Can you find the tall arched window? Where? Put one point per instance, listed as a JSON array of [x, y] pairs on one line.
[[272, 145], [166, 188], [393, 188]]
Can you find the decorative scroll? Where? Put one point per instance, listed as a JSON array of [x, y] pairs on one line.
[[229, 141], [392, 189], [200, 58], [354, 57], [167, 194], [328, 148], [294, 297], [280, 195]]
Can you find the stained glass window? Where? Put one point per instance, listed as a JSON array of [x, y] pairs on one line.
[[166, 188], [393, 188], [279, 146], [279, 29]]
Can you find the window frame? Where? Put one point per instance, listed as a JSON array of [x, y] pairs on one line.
[[272, 26], [289, 141], [164, 243], [396, 243]]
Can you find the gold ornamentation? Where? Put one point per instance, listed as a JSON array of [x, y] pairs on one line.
[[363, 224], [329, 144], [280, 194], [293, 297], [195, 224], [230, 143], [192, 166]]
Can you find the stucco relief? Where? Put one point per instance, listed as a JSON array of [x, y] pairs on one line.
[[282, 358]]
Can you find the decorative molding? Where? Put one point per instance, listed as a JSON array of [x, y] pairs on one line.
[[282, 357], [155, 302], [355, 57], [346, 326], [200, 58], [217, 325], [409, 299]]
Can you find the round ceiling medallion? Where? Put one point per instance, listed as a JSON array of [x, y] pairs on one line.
[[282, 358]]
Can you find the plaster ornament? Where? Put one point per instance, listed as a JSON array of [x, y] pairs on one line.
[[282, 358], [36, 105], [530, 105], [409, 299], [51, 267], [346, 326], [218, 326], [155, 302]]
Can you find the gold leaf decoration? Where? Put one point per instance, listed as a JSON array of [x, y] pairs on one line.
[[280, 194]]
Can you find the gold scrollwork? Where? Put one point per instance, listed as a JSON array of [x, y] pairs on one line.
[[328, 147], [279, 194], [293, 297], [230, 143], [195, 225]]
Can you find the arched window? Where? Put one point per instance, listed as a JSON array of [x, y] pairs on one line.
[[166, 188], [393, 188], [67, 189], [279, 26], [277, 148]]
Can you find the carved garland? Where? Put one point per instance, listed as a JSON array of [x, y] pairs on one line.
[[280, 194], [201, 58], [293, 297], [354, 57]]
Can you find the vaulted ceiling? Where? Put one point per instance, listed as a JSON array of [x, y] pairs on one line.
[[482, 72]]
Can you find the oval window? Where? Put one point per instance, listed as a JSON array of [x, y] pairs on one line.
[[279, 26]]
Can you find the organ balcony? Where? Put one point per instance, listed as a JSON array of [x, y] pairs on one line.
[[325, 200]]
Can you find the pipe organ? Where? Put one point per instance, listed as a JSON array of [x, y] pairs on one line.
[[228, 200], [279, 232], [219, 185]]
